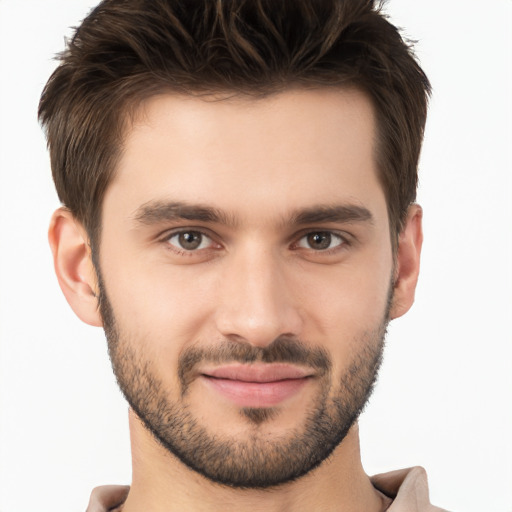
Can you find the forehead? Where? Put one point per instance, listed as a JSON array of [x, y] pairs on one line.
[[292, 149]]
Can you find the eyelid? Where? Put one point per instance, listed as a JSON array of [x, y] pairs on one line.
[[334, 237], [168, 234], [347, 238]]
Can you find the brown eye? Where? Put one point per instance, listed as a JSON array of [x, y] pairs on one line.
[[190, 240], [320, 240]]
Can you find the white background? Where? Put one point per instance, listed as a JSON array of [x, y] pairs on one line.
[[445, 395]]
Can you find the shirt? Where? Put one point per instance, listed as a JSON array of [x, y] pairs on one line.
[[406, 489]]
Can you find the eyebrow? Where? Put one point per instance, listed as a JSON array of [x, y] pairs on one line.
[[334, 213], [155, 212]]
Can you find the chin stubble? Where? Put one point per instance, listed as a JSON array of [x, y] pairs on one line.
[[257, 461]]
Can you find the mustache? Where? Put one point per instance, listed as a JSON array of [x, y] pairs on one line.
[[281, 350]]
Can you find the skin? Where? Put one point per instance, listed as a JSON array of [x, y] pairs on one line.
[[259, 162]]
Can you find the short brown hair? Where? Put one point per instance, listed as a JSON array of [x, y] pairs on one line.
[[128, 50]]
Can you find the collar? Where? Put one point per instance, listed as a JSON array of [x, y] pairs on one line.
[[408, 488]]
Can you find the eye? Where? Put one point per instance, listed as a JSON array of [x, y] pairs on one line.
[[190, 240], [320, 241]]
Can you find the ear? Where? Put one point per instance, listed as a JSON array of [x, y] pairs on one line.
[[73, 266], [407, 262]]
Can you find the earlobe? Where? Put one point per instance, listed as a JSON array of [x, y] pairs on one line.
[[73, 266], [407, 262]]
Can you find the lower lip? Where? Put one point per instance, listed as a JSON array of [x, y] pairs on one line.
[[256, 394]]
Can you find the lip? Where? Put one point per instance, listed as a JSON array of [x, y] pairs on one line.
[[256, 385]]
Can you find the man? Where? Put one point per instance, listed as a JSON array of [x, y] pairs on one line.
[[238, 182]]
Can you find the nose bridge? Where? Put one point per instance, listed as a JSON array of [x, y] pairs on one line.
[[256, 302]]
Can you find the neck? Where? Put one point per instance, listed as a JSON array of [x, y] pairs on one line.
[[162, 483]]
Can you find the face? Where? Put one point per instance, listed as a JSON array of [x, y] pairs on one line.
[[245, 273]]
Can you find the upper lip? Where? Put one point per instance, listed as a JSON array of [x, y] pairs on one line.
[[257, 372]]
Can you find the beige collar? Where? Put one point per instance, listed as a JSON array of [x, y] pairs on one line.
[[408, 488]]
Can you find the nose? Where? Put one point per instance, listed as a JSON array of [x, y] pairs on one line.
[[256, 301]]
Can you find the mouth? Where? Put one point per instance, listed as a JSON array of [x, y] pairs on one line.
[[256, 385]]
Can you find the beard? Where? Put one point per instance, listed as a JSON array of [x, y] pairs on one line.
[[258, 460]]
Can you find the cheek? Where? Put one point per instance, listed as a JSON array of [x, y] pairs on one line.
[[350, 310], [156, 320], [348, 300], [163, 307], [168, 300]]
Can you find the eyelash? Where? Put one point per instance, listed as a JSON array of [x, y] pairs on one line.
[[343, 241], [182, 251], [343, 238]]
